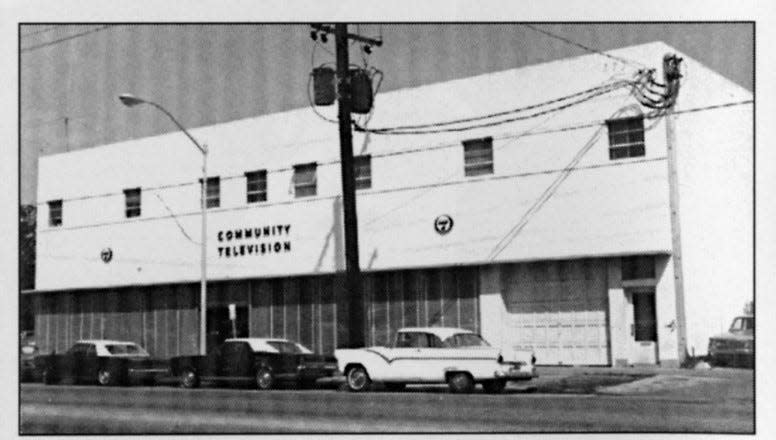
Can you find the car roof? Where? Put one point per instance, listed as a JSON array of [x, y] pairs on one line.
[[442, 332], [105, 342], [259, 344]]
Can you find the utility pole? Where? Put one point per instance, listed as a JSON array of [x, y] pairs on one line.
[[671, 80], [354, 292]]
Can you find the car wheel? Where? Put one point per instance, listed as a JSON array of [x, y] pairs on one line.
[[264, 379], [48, 377], [460, 383], [394, 386], [105, 377], [358, 379], [494, 386], [189, 379]]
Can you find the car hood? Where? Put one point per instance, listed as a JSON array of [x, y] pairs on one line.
[[743, 336]]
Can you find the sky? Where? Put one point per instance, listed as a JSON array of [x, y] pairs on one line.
[[71, 75]]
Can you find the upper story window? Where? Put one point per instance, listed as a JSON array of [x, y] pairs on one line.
[[626, 137], [256, 186], [213, 196], [362, 170], [305, 182], [132, 202], [55, 212], [478, 156]]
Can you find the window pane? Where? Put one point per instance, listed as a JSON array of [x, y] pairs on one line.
[[304, 180], [256, 186], [478, 156], [626, 138], [55, 212]]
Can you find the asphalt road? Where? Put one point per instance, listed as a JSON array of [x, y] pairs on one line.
[[94, 410]]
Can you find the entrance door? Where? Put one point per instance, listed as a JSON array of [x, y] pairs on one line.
[[220, 327], [644, 329]]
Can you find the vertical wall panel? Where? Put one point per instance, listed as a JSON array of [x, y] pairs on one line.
[[278, 308], [433, 297], [291, 305], [261, 313], [341, 311], [395, 303], [410, 300], [328, 323], [188, 330], [307, 295]]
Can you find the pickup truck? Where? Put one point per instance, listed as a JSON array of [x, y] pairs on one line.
[[455, 356], [100, 361], [735, 348], [262, 362]]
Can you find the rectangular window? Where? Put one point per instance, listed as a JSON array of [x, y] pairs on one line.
[[55, 212], [362, 170], [256, 186], [213, 196], [478, 156], [132, 202], [304, 180], [626, 138]]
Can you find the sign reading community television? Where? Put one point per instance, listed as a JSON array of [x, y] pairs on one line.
[[261, 240]]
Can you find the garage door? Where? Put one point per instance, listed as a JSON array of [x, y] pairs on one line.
[[558, 309]]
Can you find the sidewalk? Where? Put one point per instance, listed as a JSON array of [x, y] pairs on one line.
[[644, 381]]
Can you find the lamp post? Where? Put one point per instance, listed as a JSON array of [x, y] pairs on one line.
[[130, 101]]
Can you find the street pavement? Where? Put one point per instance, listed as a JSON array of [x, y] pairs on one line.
[[715, 401]]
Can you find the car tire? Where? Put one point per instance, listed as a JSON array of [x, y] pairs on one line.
[[265, 380], [106, 377], [189, 379], [358, 379], [48, 377], [494, 386], [395, 386], [460, 383]]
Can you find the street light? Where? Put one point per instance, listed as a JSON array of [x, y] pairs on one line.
[[131, 101]]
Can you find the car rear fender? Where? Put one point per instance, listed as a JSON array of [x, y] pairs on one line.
[[374, 362]]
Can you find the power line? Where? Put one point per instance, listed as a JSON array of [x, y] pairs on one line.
[[41, 31], [605, 88], [582, 46], [487, 124], [60, 40], [507, 135]]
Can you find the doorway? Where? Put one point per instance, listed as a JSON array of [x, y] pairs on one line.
[[644, 327], [220, 327]]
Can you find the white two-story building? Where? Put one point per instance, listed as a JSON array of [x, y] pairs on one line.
[[551, 231]]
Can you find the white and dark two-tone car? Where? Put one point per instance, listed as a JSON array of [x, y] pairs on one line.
[[105, 362], [424, 355]]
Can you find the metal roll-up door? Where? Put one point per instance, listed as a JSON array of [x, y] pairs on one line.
[[558, 310]]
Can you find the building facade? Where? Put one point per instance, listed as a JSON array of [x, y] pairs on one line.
[[546, 230]]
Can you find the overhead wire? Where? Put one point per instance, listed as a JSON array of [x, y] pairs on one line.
[[587, 48], [67, 38], [401, 131]]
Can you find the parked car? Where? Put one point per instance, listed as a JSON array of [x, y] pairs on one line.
[[455, 356], [28, 349], [735, 348], [261, 362], [104, 362]]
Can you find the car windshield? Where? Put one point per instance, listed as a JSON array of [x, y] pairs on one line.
[[125, 350], [465, 340], [742, 323], [288, 347]]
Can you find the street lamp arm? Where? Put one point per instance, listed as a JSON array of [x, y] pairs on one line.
[[202, 148]]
